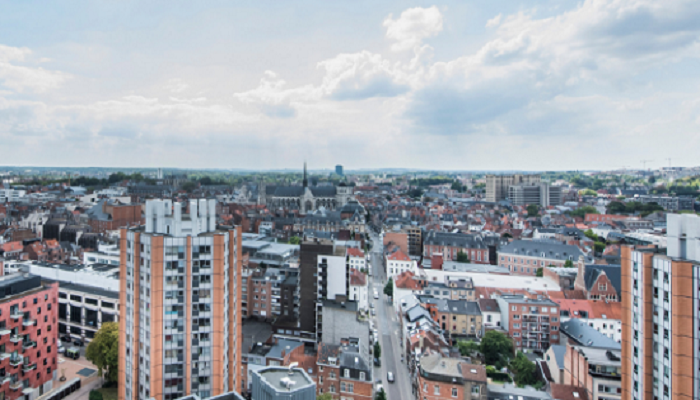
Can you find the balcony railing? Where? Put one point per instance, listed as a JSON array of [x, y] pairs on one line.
[[15, 338], [28, 322], [28, 367], [28, 344], [16, 385], [16, 361], [16, 314]]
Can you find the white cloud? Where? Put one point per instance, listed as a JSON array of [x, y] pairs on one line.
[[19, 78], [414, 25]]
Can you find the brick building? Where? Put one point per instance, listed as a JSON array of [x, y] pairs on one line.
[[28, 338], [525, 257], [477, 248], [343, 372], [109, 215], [599, 282], [442, 378], [531, 323]]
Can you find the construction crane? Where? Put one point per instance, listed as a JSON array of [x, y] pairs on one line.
[[669, 162], [644, 163]]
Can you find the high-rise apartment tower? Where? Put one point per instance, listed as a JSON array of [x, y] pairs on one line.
[[180, 324], [661, 316]]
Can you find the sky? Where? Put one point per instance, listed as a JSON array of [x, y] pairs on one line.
[[454, 85]]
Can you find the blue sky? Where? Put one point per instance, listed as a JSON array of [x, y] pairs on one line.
[[502, 84]]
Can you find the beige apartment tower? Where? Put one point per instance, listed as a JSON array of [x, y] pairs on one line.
[[180, 302], [661, 316], [497, 185]]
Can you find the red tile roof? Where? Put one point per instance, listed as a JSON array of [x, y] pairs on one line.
[[354, 252], [398, 255], [11, 246], [357, 278]]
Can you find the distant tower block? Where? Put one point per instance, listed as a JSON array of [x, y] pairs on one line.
[[160, 173], [339, 170]]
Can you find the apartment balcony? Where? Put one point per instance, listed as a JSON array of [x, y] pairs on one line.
[[15, 362], [16, 385], [28, 344], [17, 314], [5, 332], [528, 320], [29, 322], [15, 338], [5, 379], [28, 367], [4, 356]]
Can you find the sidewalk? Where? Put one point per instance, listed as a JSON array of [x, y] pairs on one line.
[[84, 392]]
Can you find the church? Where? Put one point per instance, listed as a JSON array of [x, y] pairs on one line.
[[304, 198]]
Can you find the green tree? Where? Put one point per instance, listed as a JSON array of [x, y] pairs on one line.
[[295, 240], [524, 370], [324, 396], [205, 181], [652, 179], [95, 395], [466, 347], [188, 186], [582, 211], [568, 264], [462, 257], [507, 235], [103, 351], [533, 210], [497, 348], [599, 247], [540, 272], [381, 395], [377, 350], [389, 288], [589, 234]]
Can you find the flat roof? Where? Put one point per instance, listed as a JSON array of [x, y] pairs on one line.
[[274, 376], [494, 280]]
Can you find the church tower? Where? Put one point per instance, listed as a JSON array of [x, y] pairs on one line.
[[305, 181]]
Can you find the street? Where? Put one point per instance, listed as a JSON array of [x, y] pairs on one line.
[[389, 335]]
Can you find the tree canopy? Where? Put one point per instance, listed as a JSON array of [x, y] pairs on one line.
[[533, 210], [524, 370], [633, 207], [389, 288], [381, 395], [568, 264], [462, 257], [295, 240], [582, 211], [103, 351], [497, 348]]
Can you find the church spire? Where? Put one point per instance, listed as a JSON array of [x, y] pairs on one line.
[[306, 182]]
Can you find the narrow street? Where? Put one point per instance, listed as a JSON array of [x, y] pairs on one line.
[[389, 332]]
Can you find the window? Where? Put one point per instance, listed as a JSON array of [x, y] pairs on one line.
[[346, 373], [362, 376], [454, 392], [436, 390], [475, 389], [602, 287]]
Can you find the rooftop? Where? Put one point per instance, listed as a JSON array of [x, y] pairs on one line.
[[275, 377], [587, 336]]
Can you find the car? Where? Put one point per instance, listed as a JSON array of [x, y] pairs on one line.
[[73, 352], [377, 362], [371, 305], [61, 349], [376, 295], [390, 377], [78, 342], [374, 312], [66, 338]]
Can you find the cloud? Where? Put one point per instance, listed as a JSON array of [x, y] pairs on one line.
[[412, 27], [19, 78], [361, 76], [176, 86]]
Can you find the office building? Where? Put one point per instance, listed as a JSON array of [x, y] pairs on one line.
[[180, 304], [28, 338], [339, 170], [280, 383], [540, 193], [497, 185], [661, 316]]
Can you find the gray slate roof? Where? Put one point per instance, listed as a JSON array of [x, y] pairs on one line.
[[535, 248], [587, 336], [613, 272]]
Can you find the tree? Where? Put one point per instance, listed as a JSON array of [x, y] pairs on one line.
[[533, 210], [324, 396], [466, 347], [568, 264], [652, 179], [205, 181], [389, 288], [188, 186], [507, 235], [295, 240], [377, 350], [95, 395], [540, 272], [599, 247], [103, 351], [496, 347], [381, 395], [589, 234], [582, 211], [524, 370], [462, 257]]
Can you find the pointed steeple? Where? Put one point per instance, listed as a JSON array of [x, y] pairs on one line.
[[306, 182]]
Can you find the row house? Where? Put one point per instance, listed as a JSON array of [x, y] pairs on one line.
[[525, 257], [458, 317], [343, 372], [443, 378], [478, 249], [533, 324], [453, 288], [397, 263], [599, 282]]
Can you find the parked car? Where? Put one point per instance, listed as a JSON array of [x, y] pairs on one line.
[[78, 342], [61, 349], [390, 377], [377, 362], [371, 305], [66, 338], [374, 312]]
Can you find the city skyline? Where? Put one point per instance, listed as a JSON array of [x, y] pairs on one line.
[[430, 86]]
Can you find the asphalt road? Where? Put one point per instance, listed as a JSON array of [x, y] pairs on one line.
[[388, 328]]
